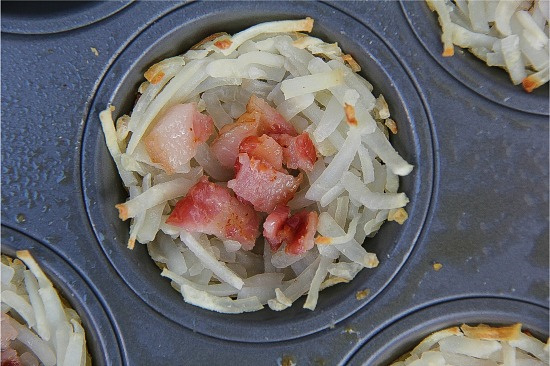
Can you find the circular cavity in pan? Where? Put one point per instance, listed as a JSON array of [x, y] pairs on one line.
[[44, 17], [101, 340], [492, 83], [403, 335], [174, 34]]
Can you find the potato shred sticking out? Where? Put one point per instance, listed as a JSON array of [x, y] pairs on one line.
[[511, 34], [478, 345], [34, 315], [273, 106]]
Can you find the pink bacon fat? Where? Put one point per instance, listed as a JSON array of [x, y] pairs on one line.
[[173, 140], [298, 151], [298, 230], [259, 119], [212, 209], [260, 184], [263, 148]]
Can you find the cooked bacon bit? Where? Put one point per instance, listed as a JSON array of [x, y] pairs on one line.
[[390, 123], [9, 333], [208, 39], [274, 226], [168, 146], [225, 147], [483, 331], [297, 230], [298, 152], [323, 240], [530, 83], [271, 121], [263, 148], [352, 63], [10, 357], [211, 209], [350, 114], [303, 226], [259, 118], [448, 52], [223, 44], [260, 184]]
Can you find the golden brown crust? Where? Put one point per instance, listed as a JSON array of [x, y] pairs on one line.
[[208, 39], [483, 331], [350, 114], [355, 67]]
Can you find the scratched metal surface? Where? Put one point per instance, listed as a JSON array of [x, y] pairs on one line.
[[479, 191]]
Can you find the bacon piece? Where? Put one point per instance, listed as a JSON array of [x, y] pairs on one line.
[[10, 357], [298, 152], [225, 147], [297, 231], [274, 226], [8, 334], [271, 120], [263, 148], [260, 184], [173, 140], [212, 209]]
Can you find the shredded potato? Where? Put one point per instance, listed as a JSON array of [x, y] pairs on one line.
[[511, 34], [34, 315], [353, 185], [477, 345]]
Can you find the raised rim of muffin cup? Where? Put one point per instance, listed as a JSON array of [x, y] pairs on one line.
[[101, 340], [173, 34], [405, 333], [45, 17], [492, 83]]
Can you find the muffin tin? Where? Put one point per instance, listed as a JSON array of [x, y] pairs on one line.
[[479, 190]]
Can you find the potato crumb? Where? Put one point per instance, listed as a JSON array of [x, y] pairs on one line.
[[360, 295], [94, 51], [398, 215], [390, 123], [288, 361], [437, 266]]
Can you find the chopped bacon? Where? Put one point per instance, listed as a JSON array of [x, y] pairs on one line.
[[297, 231], [260, 184], [274, 225], [263, 148], [271, 120], [10, 357], [211, 209], [8, 334], [173, 140], [225, 147], [298, 152]]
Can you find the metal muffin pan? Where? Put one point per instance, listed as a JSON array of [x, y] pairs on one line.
[[101, 339], [479, 191], [405, 334], [40, 17], [393, 243]]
